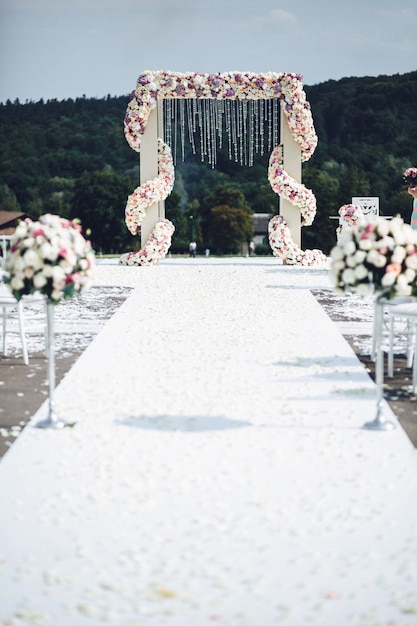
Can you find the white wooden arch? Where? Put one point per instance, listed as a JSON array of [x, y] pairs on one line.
[[144, 131]]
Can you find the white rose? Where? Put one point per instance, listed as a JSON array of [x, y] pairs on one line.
[[383, 228], [49, 252], [409, 275], [361, 272], [411, 261], [360, 256], [337, 266], [39, 280], [348, 277], [337, 253], [349, 248], [58, 274], [380, 261], [372, 256], [388, 279], [365, 244], [31, 258], [364, 289], [351, 260], [402, 283], [16, 283]]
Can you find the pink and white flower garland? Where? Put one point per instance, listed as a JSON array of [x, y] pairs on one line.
[[155, 248], [287, 87], [151, 191], [49, 256], [284, 247]]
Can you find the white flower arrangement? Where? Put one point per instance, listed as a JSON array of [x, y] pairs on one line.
[[155, 248], [49, 256], [349, 217], [287, 87], [378, 257]]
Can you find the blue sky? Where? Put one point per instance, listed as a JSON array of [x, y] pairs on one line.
[[70, 48]]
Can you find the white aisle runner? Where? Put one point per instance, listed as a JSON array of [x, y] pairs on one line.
[[217, 471]]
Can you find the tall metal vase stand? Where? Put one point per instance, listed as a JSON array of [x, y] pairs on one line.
[[51, 421], [380, 422]]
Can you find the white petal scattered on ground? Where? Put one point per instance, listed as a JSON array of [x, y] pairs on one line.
[[218, 471]]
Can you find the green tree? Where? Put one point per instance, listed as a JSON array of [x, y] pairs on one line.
[[99, 201], [228, 229], [177, 216]]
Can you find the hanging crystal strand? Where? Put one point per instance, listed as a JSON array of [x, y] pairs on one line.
[[234, 134], [269, 125], [166, 129], [182, 121], [256, 126], [207, 131], [228, 128], [174, 152], [200, 124], [245, 130], [220, 115], [276, 109], [191, 124], [261, 123], [251, 129], [213, 128], [240, 130]]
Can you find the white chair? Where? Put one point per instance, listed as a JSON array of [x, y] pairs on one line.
[[381, 321], [406, 315], [8, 303]]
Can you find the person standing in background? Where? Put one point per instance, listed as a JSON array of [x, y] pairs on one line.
[[410, 177]]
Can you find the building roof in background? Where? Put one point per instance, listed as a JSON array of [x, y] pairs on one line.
[[9, 221]]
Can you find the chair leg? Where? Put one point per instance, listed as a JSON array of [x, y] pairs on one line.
[[391, 347], [4, 342], [22, 333]]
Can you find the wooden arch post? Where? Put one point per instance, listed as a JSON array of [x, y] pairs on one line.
[[292, 165], [149, 168]]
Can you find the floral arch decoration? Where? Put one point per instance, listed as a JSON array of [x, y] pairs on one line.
[[287, 88]]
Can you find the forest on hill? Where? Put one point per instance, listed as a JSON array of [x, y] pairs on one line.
[[71, 158]]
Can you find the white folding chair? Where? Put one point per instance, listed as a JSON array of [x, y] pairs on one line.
[[406, 315], [8, 303]]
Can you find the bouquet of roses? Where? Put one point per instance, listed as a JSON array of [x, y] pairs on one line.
[[49, 256], [378, 257], [410, 176]]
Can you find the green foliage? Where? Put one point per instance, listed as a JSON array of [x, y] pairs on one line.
[[228, 229], [98, 201]]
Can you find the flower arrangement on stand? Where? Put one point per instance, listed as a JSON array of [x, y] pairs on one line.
[[51, 257], [377, 259], [349, 217]]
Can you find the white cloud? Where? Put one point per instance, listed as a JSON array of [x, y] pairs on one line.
[[277, 16]]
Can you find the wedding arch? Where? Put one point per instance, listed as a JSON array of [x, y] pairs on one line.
[[212, 98]]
